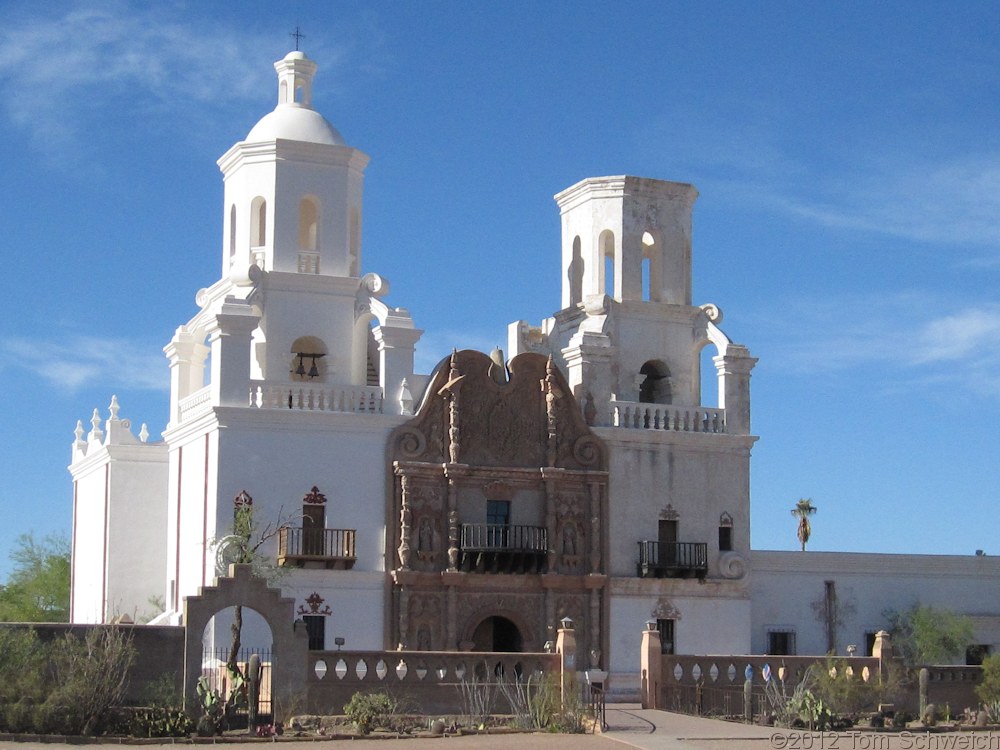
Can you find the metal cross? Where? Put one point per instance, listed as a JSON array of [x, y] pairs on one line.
[[299, 36]]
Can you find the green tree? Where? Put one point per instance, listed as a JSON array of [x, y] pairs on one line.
[[37, 589], [243, 547], [802, 510], [928, 635]]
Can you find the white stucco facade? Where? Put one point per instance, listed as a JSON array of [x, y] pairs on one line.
[[291, 378]]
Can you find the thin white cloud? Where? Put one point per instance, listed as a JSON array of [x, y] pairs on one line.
[[81, 361], [59, 76], [898, 340], [974, 332], [951, 202]]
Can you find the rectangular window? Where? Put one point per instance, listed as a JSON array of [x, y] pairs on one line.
[[498, 512], [666, 534], [316, 630], [498, 521], [725, 538], [313, 521], [666, 628], [975, 654], [781, 642]]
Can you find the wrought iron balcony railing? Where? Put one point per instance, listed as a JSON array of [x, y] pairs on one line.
[[332, 547], [672, 559], [500, 548]]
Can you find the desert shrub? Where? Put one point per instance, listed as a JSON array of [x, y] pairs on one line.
[[69, 685], [90, 675], [479, 696], [537, 703], [370, 710], [159, 721], [989, 689]]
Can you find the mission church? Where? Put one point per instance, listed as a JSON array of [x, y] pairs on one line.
[[584, 475]]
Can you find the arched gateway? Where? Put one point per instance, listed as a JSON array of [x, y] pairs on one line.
[[499, 497]]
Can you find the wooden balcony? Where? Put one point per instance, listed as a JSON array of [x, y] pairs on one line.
[[499, 548], [332, 548], [672, 560]]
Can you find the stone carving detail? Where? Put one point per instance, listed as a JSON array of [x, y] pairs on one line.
[[669, 514], [450, 392], [725, 520], [453, 540], [411, 443], [732, 565], [425, 497], [425, 619], [552, 394], [243, 499], [477, 421], [665, 610], [315, 497], [315, 602], [405, 516], [427, 541]]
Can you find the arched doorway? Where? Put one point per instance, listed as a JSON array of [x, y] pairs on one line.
[[497, 634]]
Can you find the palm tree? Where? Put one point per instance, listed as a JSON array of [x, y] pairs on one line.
[[802, 510]]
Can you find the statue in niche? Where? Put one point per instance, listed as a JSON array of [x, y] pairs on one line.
[[425, 538], [569, 539], [423, 638], [453, 540]]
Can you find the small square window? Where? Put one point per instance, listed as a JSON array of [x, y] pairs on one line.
[[781, 642], [975, 654]]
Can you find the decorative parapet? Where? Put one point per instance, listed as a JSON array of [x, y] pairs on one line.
[[116, 432]]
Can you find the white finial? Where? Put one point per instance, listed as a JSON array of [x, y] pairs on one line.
[[96, 434], [405, 399], [78, 432], [144, 433], [114, 408]]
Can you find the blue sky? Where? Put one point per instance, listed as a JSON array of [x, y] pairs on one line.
[[847, 156]]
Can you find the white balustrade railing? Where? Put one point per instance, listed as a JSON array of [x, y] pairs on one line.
[[196, 403], [636, 415], [357, 399]]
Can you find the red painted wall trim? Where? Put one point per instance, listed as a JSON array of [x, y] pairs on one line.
[[177, 550], [104, 561], [204, 520], [72, 558]]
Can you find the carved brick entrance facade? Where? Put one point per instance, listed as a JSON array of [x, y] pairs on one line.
[[500, 496]]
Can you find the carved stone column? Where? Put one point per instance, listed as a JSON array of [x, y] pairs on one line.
[[451, 625], [594, 626], [450, 391], [596, 491], [551, 490], [404, 523], [404, 619], [453, 540], [552, 394]]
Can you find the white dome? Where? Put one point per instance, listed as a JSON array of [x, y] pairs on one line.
[[294, 123]]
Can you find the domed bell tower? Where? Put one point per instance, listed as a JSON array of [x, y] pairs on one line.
[[293, 189]]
